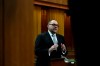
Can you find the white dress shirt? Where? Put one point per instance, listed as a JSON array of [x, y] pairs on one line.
[[51, 35]]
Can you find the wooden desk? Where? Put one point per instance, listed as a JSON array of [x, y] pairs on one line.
[[60, 62]]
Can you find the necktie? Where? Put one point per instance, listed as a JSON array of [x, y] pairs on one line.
[[54, 39]]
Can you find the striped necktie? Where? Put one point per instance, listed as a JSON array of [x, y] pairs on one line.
[[54, 39]]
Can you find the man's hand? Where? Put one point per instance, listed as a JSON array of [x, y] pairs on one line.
[[63, 47], [53, 47]]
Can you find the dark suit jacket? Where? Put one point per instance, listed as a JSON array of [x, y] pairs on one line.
[[42, 44]]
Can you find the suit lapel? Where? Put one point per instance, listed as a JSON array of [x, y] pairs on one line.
[[49, 38]]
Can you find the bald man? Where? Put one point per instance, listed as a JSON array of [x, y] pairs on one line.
[[49, 45]]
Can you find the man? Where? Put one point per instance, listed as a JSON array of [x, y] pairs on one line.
[[49, 45]]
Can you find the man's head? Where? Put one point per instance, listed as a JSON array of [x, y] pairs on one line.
[[53, 26]]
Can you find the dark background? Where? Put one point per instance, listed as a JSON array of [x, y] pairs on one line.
[[85, 29]]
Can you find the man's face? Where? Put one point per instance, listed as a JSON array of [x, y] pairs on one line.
[[53, 26]]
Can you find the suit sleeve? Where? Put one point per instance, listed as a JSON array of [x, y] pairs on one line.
[[40, 49]]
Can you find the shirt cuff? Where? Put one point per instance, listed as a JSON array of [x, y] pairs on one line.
[[49, 53], [63, 52]]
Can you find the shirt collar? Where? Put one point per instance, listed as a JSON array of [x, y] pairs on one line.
[[50, 33]]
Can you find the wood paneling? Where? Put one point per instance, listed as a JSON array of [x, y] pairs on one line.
[[51, 4], [36, 24], [68, 32], [18, 33], [50, 14], [69, 37], [58, 62], [58, 15], [37, 20], [63, 2], [1, 32], [44, 18]]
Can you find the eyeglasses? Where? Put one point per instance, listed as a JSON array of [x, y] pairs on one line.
[[54, 25]]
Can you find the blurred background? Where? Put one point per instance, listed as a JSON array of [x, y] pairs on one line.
[[22, 20]]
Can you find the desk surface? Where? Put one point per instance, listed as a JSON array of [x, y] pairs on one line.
[[61, 62], [57, 59]]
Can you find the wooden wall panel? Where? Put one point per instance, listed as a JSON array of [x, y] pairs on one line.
[[68, 32], [37, 23], [69, 37], [1, 32], [37, 20], [58, 15], [50, 14], [44, 14], [44, 18], [63, 2], [18, 33]]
